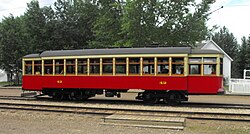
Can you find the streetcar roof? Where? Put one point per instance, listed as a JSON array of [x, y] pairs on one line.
[[122, 51], [32, 56]]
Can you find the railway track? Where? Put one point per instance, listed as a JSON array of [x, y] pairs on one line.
[[109, 109], [132, 102]]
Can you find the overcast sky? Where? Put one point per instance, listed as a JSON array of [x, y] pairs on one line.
[[234, 15]]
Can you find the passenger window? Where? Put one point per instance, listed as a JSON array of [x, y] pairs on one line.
[[120, 65], [107, 66], [134, 65], [195, 69], [209, 65], [148, 66], [28, 67], [38, 67], [163, 65], [195, 65], [59, 65], [94, 66], [210, 69], [70, 66], [82, 66], [48, 66], [178, 65]]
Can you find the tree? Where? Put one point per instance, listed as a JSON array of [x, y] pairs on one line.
[[12, 44], [228, 43], [247, 66], [107, 25], [241, 59], [74, 22], [35, 22], [165, 22]]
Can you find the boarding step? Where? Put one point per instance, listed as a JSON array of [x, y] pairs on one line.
[[28, 94], [146, 121]]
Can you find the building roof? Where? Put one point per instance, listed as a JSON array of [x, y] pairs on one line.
[[216, 45], [121, 51]]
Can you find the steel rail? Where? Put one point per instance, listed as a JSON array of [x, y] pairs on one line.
[[109, 111], [133, 102]]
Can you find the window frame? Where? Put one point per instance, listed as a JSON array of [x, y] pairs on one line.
[[136, 64], [48, 65], [82, 64], [107, 64], [199, 63], [37, 65], [182, 63], [123, 64], [148, 64], [97, 64], [72, 65], [209, 63], [59, 65], [163, 63], [28, 65]]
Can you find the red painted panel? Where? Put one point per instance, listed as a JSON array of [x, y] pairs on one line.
[[107, 82], [204, 84], [32, 82], [194, 84]]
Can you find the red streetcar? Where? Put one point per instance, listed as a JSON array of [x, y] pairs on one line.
[[165, 73]]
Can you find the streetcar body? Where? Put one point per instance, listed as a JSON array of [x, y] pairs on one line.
[[160, 72], [194, 85]]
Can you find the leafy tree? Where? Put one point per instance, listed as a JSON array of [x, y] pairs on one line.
[[74, 22], [241, 59], [137, 21], [247, 66], [107, 25], [12, 43], [35, 22], [228, 43], [165, 22]]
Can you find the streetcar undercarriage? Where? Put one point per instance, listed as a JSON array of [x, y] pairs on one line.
[[171, 97]]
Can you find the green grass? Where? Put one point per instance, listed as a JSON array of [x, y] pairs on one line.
[[226, 88], [6, 83]]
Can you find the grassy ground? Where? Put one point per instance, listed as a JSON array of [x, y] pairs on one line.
[[226, 88], [6, 83], [217, 127], [3, 84]]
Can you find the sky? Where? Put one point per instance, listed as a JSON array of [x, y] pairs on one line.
[[234, 15]]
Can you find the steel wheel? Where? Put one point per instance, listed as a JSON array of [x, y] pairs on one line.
[[76, 95], [57, 96], [150, 99], [172, 98]]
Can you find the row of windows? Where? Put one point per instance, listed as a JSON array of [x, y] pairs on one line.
[[209, 66], [123, 66]]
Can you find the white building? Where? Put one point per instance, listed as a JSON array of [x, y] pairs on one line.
[[210, 44], [3, 76]]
